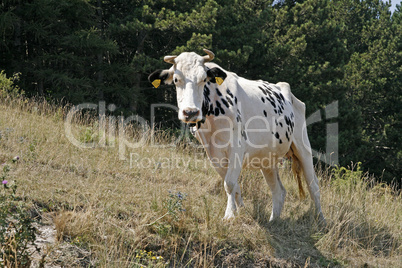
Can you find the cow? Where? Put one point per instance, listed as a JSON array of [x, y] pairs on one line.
[[242, 123]]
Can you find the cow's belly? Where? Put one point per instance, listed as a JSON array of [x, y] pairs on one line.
[[266, 157]]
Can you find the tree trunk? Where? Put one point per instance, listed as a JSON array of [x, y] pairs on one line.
[[100, 54]]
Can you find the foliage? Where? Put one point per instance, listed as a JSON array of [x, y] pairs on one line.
[[17, 232], [347, 177], [174, 204], [173, 207], [8, 87], [347, 51]]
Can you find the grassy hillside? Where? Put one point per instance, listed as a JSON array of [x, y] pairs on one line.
[[166, 208]]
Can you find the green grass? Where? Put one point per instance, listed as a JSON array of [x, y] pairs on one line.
[[128, 216]]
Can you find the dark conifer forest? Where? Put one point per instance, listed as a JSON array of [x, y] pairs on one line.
[[349, 51]]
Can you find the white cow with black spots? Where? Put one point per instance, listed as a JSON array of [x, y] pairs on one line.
[[242, 123]]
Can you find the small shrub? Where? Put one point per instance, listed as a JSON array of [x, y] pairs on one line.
[[173, 206], [16, 225], [8, 87], [347, 179]]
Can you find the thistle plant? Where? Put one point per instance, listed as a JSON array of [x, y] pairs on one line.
[[173, 206]]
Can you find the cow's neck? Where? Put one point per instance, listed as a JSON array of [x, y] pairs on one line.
[[217, 101]]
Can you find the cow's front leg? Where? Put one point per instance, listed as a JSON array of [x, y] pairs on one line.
[[232, 186], [277, 190]]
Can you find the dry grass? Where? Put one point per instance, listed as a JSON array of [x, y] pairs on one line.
[[114, 210]]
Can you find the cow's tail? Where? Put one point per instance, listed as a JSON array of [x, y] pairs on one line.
[[298, 173]]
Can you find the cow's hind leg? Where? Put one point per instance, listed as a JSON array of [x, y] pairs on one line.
[[302, 154], [303, 158], [278, 191]]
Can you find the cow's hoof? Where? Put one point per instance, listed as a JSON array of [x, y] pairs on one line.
[[229, 217]]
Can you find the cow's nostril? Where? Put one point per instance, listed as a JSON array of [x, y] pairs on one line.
[[191, 113]]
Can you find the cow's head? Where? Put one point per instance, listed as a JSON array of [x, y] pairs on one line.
[[189, 74]]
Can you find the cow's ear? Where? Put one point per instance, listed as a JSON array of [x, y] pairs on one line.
[[216, 75], [160, 77]]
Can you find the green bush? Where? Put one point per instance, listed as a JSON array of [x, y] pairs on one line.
[[8, 88], [347, 178]]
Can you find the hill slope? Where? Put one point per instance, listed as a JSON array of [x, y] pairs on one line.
[[163, 206]]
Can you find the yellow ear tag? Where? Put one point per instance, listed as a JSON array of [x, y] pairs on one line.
[[156, 83], [219, 80]]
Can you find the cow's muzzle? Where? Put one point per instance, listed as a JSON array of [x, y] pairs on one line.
[[191, 115]]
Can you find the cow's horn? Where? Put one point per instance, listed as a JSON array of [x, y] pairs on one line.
[[169, 59], [210, 55]]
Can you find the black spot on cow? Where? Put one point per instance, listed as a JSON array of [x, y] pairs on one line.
[[276, 123], [276, 95], [268, 89], [263, 90], [287, 136], [211, 109], [280, 123], [218, 105], [276, 112], [287, 121], [204, 108], [225, 102], [244, 135], [229, 100], [279, 97], [238, 112], [218, 92], [280, 141], [216, 111], [235, 98], [229, 92], [271, 101], [265, 113], [277, 135], [206, 94], [206, 90], [263, 100]]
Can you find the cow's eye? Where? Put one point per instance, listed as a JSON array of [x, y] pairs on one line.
[[175, 80], [205, 80]]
